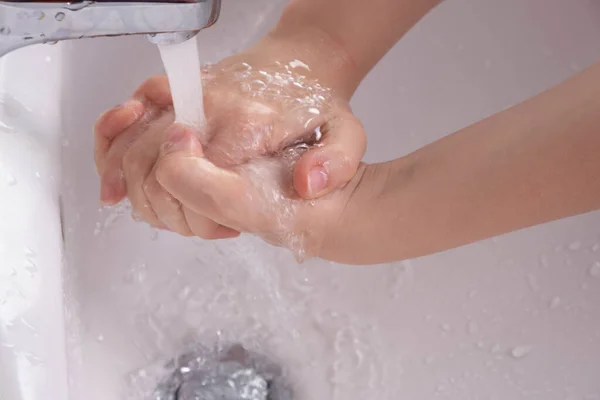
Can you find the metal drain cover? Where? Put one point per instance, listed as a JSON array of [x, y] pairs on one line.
[[234, 374]]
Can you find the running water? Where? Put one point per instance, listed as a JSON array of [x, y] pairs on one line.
[[182, 65], [248, 300]]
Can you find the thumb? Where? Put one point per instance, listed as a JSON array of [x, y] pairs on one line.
[[184, 172], [332, 165]]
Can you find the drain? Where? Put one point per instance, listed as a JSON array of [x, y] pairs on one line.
[[233, 374]]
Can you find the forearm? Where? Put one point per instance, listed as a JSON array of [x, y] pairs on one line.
[[536, 162], [348, 36]]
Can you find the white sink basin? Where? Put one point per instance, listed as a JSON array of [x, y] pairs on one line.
[[517, 317], [32, 335]]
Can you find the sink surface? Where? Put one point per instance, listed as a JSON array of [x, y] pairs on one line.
[[515, 317]]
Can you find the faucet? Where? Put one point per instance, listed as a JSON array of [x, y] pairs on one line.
[[23, 23]]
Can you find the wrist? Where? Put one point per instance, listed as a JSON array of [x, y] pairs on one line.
[[361, 232], [328, 60]]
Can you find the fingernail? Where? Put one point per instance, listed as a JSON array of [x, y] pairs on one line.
[[107, 194], [317, 180], [177, 140]]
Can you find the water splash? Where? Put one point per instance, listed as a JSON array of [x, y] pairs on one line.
[[115, 214], [137, 273]]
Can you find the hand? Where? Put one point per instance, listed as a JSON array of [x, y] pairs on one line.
[[253, 110], [256, 196]]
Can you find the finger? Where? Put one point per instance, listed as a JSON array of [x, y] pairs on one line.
[[110, 124], [138, 162], [198, 184], [181, 219], [206, 228], [167, 209], [112, 187], [155, 90], [113, 140], [334, 163]]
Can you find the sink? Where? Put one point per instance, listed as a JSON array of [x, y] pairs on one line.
[[514, 317], [32, 336]]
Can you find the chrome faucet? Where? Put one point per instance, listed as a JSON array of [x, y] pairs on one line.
[[23, 23]]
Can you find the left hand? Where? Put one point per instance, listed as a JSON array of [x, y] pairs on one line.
[[243, 123]]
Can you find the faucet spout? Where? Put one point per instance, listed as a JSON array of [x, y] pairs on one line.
[[27, 23]]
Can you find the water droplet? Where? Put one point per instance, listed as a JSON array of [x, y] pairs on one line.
[[472, 294], [488, 64], [575, 246], [32, 358], [100, 338], [65, 142], [29, 252], [154, 235], [185, 292], [520, 351], [445, 328], [472, 327], [10, 179], [532, 281], [544, 261], [28, 325], [594, 270], [596, 247], [137, 273], [554, 302], [59, 16], [30, 267], [496, 349], [38, 175]]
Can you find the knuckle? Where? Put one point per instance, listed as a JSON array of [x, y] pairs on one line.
[[155, 89]]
